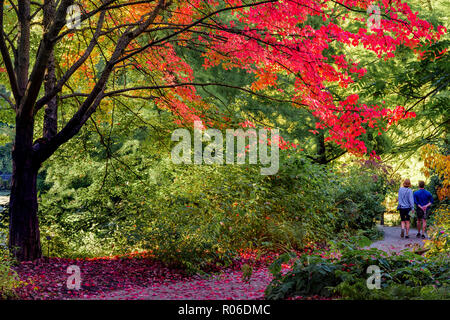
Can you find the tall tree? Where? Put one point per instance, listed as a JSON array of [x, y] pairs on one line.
[[266, 38]]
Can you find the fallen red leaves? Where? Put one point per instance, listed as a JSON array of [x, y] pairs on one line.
[[47, 279], [138, 276]]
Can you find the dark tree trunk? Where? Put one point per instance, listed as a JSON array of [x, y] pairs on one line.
[[24, 239]]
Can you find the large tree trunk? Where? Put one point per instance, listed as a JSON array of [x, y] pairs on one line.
[[24, 239]]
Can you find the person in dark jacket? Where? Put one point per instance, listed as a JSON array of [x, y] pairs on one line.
[[423, 200]]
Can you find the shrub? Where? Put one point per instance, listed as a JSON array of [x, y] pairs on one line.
[[9, 280], [362, 190], [439, 231], [403, 276], [192, 215]]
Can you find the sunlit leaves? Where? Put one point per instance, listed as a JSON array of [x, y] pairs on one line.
[[439, 164]]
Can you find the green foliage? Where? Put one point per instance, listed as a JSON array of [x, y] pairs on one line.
[[315, 278], [8, 277], [5, 158], [120, 192], [361, 193], [439, 231], [403, 276]]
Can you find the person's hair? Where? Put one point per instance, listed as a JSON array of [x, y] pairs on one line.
[[421, 184], [407, 183]]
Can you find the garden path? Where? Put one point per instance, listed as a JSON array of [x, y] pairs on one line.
[[393, 243], [229, 284]]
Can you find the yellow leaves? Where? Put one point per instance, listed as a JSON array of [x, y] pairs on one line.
[[104, 113], [439, 231], [440, 165]]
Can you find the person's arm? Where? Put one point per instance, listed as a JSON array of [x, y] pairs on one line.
[[430, 201], [416, 200]]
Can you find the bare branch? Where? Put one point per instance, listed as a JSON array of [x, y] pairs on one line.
[[196, 84], [73, 68], [7, 59], [44, 52]]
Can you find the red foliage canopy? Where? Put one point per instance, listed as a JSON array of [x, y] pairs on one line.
[[274, 37]]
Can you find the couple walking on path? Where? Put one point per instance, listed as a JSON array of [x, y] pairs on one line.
[[406, 201]]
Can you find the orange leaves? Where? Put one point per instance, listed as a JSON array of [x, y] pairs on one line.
[[133, 13], [434, 161], [265, 79]]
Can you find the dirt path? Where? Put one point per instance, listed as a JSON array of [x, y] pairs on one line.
[[392, 241], [229, 284]]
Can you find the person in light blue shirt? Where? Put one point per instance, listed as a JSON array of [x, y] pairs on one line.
[[423, 199], [405, 205]]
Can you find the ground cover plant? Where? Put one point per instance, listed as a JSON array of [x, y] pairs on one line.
[[403, 276]]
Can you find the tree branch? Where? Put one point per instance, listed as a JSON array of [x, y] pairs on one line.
[[22, 64], [91, 103], [193, 24], [73, 68], [44, 52], [7, 59], [50, 126]]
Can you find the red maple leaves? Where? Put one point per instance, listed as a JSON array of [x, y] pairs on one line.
[[273, 38]]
